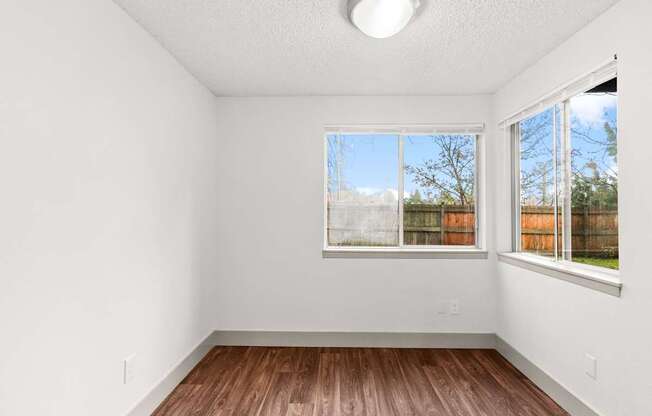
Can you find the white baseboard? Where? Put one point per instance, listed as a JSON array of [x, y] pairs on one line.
[[164, 387], [571, 403], [545, 382], [353, 339]]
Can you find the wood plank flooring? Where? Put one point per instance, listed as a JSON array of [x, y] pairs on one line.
[[242, 381]]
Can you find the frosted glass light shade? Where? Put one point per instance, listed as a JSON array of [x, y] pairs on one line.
[[382, 18]]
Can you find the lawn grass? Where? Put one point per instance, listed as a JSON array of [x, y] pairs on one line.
[[598, 261]]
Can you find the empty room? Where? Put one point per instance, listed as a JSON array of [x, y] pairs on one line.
[[325, 208]]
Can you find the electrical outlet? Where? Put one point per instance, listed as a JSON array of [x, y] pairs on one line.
[[129, 369], [591, 366], [455, 307]]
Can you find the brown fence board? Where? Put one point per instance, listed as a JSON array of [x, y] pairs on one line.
[[594, 232], [423, 225]]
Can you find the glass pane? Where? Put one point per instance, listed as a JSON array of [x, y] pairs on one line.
[[537, 183], [362, 190], [594, 181], [438, 197]]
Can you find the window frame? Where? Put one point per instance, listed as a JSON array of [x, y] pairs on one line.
[[594, 277], [564, 162], [515, 155], [402, 250]]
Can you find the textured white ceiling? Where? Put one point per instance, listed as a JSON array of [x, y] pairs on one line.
[[308, 47]]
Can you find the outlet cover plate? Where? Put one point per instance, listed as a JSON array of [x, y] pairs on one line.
[[128, 369], [455, 307], [591, 366]]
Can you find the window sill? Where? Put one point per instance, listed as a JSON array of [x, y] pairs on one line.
[[404, 253], [603, 281]]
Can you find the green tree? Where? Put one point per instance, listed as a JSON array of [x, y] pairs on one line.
[[414, 198], [595, 182], [595, 191]]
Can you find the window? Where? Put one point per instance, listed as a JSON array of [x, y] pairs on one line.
[[566, 190], [363, 204], [439, 190], [401, 190]]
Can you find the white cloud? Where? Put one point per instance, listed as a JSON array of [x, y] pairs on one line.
[[375, 191], [394, 192], [368, 191], [590, 108]]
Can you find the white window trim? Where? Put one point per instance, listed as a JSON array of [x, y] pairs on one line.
[[597, 76], [597, 278], [428, 252], [410, 251]]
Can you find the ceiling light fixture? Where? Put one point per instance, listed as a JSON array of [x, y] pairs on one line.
[[381, 18]]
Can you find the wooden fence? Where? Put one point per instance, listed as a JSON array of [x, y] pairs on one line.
[[594, 233], [425, 224]]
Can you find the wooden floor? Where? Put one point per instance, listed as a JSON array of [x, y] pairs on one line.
[[355, 381]]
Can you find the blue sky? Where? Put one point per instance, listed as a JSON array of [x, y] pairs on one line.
[[371, 161], [589, 112]]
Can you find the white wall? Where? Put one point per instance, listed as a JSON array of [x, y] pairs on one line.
[[107, 201], [554, 323], [114, 186], [272, 274]]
